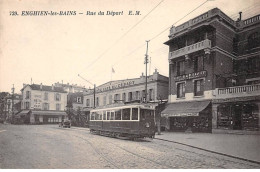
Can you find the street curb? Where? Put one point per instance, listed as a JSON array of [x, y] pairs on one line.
[[244, 159]]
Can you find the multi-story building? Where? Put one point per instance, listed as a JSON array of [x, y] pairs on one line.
[[214, 74], [128, 90], [43, 104]]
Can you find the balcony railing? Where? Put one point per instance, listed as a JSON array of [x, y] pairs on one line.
[[190, 49], [201, 18], [229, 91]]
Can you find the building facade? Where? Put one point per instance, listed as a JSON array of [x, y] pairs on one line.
[[214, 65], [43, 104], [128, 90]]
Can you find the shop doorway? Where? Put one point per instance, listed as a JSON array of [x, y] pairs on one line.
[[237, 114]]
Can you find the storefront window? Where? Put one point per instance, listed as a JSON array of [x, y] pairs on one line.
[[224, 116], [241, 116], [250, 117]]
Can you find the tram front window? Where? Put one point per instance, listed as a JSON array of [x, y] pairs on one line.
[[145, 114]]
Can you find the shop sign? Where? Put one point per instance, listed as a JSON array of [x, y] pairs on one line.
[[115, 86], [191, 76], [180, 114]]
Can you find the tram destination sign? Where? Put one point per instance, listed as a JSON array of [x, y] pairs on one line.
[[191, 76]]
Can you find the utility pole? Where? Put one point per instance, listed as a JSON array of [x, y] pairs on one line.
[[145, 62], [94, 89]]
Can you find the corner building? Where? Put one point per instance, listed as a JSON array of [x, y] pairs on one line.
[[214, 77], [42, 104]]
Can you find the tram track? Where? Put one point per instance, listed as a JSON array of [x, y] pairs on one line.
[[214, 152], [183, 144]]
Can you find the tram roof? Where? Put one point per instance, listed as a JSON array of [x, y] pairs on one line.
[[120, 106]]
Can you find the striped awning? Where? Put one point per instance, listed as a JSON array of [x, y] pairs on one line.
[[45, 112], [184, 108]]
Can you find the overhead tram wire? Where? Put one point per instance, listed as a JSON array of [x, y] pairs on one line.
[[180, 19], [123, 35], [164, 30]]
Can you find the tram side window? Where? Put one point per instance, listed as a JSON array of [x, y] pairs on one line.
[[97, 116], [92, 117], [108, 115], [104, 115], [112, 116], [118, 114], [134, 113], [126, 114]]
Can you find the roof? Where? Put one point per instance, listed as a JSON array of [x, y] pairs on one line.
[[46, 88], [184, 108]]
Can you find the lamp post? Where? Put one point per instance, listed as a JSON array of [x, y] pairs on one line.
[[94, 90]]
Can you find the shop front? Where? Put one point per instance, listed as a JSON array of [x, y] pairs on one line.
[[47, 117], [238, 116], [188, 116]]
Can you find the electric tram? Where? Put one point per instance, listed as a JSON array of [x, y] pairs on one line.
[[132, 121]]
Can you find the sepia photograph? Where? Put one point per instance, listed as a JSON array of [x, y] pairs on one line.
[[129, 84]]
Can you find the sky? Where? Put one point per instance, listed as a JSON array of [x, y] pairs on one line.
[[50, 49]]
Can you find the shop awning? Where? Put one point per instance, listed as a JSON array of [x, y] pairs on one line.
[[48, 112], [23, 112], [184, 108]]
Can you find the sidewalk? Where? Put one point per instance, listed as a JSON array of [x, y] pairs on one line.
[[242, 146]]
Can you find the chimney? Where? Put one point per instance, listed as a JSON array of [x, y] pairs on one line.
[[24, 84], [52, 87], [41, 86], [240, 16]]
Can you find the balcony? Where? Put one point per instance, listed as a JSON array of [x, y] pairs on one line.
[[238, 91], [203, 45]]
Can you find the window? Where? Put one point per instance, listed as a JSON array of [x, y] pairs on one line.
[[45, 106], [57, 106], [150, 94], [112, 115], [134, 113], [78, 99], [97, 101], [137, 95], [104, 100], [27, 105], [108, 115], [254, 40], [46, 96], [88, 103], [130, 98], [28, 95], [116, 97], [124, 97], [118, 114], [198, 87], [198, 63], [104, 115], [57, 97], [126, 114], [180, 67], [181, 90], [110, 99]]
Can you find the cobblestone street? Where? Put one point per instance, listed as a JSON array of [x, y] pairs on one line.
[[48, 146]]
